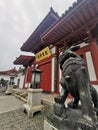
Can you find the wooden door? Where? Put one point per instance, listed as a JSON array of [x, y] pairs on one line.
[[46, 77]]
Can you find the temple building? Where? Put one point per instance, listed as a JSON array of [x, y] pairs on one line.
[[7, 74], [44, 54], [26, 61], [77, 26]]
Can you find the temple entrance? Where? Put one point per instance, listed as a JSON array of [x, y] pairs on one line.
[[46, 77]]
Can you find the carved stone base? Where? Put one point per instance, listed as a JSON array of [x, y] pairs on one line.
[[31, 110], [33, 102], [73, 121]]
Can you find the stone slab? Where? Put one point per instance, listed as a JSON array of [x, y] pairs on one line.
[[48, 126], [34, 90], [9, 103]]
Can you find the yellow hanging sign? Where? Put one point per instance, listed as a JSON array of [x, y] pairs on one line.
[[43, 54]]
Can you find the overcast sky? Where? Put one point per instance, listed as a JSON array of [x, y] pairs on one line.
[[18, 19]]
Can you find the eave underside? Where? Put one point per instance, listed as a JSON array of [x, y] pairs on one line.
[[24, 60], [75, 26]]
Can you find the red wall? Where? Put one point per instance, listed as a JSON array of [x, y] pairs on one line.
[[46, 76], [93, 48], [45, 66], [94, 52], [28, 76]]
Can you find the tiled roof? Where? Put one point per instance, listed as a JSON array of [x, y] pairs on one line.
[[8, 72], [74, 25], [24, 60], [34, 42]]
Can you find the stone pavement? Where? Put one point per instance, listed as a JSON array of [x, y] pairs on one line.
[[9, 103], [46, 98], [17, 120], [12, 116]]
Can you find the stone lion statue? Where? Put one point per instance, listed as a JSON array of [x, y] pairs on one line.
[[75, 81]]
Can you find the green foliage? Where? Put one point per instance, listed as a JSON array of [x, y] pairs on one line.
[[22, 70]]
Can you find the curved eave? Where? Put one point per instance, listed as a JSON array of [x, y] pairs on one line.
[[24, 60], [7, 72], [77, 20], [34, 40]]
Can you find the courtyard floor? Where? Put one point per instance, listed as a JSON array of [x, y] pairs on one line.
[[12, 116]]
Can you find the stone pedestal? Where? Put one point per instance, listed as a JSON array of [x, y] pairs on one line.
[[9, 90], [71, 120], [48, 126], [33, 102]]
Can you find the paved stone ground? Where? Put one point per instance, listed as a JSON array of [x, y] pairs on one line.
[[12, 116], [9, 103], [17, 120]]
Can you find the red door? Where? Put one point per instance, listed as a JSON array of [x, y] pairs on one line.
[[46, 77]]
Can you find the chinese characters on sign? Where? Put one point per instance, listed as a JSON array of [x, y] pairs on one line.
[[43, 54]]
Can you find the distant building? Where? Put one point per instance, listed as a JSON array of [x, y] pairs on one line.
[[27, 62], [34, 44], [77, 26], [18, 76], [7, 74]]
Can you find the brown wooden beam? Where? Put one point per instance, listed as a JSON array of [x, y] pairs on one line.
[[80, 29]]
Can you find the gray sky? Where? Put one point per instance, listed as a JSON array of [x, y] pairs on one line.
[[18, 19]]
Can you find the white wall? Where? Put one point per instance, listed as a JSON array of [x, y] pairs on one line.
[[90, 65], [60, 75], [21, 77], [5, 77], [52, 74], [53, 51], [96, 87]]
